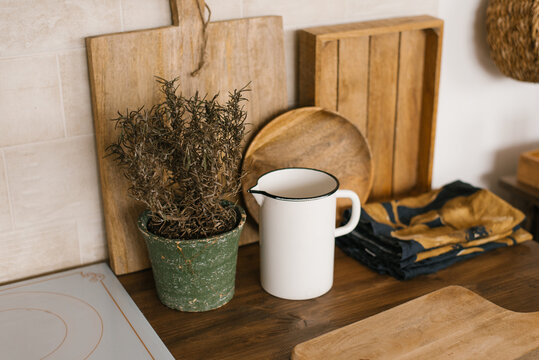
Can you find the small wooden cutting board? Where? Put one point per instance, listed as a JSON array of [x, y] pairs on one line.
[[451, 323]]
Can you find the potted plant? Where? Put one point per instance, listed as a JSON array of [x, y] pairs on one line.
[[182, 160]]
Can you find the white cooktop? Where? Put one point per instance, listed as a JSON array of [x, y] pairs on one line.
[[78, 314]]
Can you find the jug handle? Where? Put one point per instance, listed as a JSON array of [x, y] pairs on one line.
[[356, 212]]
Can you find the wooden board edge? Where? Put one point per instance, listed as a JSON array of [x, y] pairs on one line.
[[276, 122], [307, 68], [117, 250], [430, 107], [327, 74], [382, 109], [374, 27], [115, 266]]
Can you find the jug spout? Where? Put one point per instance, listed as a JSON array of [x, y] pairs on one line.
[[257, 194]]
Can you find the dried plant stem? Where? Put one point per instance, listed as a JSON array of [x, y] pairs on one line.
[[182, 158]]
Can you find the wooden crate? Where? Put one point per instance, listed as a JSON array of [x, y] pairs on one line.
[[528, 168], [383, 76]]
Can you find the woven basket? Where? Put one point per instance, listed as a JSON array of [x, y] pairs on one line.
[[513, 37]]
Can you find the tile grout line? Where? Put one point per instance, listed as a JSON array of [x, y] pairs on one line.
[[41, 53], [9, 201], [338, 75], [61, 94], [40, 225], [44, 142], [77, 225]]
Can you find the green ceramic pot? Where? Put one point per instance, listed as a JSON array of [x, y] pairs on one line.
[[194, 275]]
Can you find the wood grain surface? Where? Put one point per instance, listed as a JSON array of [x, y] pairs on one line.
[[528, 168], [256, 325], [354, 80], [451, 323], [314, 138], [525, 198], [122, 69], [383, 76]]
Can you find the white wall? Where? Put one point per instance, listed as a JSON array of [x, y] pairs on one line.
[[484, 118]]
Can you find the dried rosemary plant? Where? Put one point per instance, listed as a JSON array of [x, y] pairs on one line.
[[182, 158]]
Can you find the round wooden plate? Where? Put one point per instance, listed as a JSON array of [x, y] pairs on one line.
[[315, 138]]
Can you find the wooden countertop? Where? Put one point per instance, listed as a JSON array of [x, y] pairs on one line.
[[256, 325]]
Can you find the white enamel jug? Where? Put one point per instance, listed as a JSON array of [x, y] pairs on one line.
[[297, 230]]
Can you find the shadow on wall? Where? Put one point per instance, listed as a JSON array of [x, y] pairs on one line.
[[482, 50], [505, 163]]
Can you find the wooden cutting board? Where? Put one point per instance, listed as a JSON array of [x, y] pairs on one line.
[[122, 68], [314, 138], [451, 323], [383, 76]]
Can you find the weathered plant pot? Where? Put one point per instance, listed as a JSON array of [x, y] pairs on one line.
[[194, 275]]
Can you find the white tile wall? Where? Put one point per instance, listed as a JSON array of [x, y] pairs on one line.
[[30, 26], [91, 232], [225, 9], [145, 14], [73, 68], [50, 207], [53, 181], [31, 72], [37, 250], [30, 100], [299, 12], [374, 9], [5, 207]]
